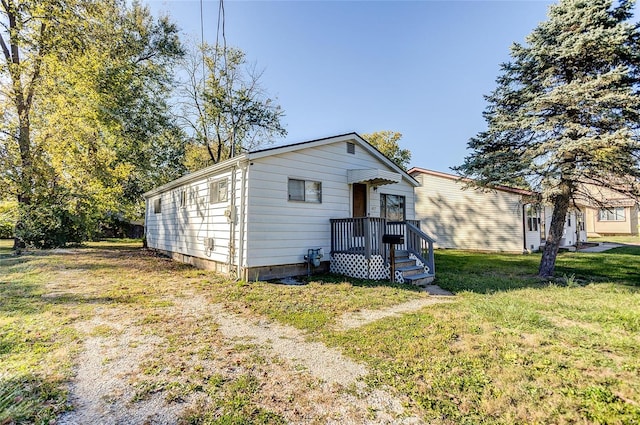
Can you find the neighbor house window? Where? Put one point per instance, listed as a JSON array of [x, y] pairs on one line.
[[305, 191], [611, 214], [183, 198], [218, 191], [157, 206], [392, 207], [533, 218], [580, 221]]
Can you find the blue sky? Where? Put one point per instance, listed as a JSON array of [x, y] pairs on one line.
[[420, 67]]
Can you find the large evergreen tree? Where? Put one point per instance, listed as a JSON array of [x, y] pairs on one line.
[[565, 112]]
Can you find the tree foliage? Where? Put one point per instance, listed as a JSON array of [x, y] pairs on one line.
[[84, 88], [387, 142], [565, 112], [228, 110]]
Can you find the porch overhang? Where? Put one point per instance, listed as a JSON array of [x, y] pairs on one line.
[[373, 176]]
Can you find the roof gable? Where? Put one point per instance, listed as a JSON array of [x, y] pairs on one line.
[[349, 137]]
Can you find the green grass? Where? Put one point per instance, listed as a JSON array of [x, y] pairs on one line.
[[5, 247], [510, 349], [630, 239]]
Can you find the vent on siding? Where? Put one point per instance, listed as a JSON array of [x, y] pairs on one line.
[[351, 148]]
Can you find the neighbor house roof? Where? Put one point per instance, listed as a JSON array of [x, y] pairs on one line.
[[416, 170]]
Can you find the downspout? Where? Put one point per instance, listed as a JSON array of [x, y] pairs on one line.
[[243, 207], [232, 220], [524, 228]]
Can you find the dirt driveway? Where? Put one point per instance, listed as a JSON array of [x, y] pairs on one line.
[[185, 359]]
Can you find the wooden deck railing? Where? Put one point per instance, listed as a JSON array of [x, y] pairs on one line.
[[364, 236], [358, 236]]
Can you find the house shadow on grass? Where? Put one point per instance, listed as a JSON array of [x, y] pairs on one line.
[[458, 271]]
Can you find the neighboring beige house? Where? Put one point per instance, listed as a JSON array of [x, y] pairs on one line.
[[503, 219], [616, 214]]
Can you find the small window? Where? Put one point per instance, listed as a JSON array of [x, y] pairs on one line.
[[580, 220], [351, 148], [157, 205], [183, 198], [533, 218], [611, 214], [305, 191], [392, 207], [218, 191], [569, 220]]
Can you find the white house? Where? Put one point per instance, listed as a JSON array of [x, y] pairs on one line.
[[274, 212], [504, 219]]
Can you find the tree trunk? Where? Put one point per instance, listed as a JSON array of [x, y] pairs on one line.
[[556, 229]]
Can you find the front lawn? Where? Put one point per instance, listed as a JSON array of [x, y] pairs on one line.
[[509, 349], [626, 239]]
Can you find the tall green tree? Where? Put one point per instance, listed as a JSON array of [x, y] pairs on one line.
[[387, 142], [565, 112], [226, 110], [84, 85]]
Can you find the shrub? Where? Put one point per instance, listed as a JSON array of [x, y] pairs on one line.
[[8, 218]]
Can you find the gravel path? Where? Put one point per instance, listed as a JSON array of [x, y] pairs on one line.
[[101, 392], [105, 381], [289, 343], [361, 318]]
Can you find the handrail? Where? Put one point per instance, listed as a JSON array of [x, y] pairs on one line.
[[421, 245], [363, 236]]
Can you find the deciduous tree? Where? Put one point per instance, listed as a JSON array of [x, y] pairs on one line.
[[565, 111], [387, 142], [227, 110], [83, 89]]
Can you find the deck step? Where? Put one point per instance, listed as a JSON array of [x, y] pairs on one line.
[[404, 262], [411, 270], [421, 279]]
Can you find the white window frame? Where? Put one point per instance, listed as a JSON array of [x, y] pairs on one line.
[[533, 218], [384, 204], [183, 198], [157, 205], [219, 191], [612, 214], [312, 192]]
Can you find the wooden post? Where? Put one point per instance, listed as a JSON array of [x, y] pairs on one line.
[[393, 263]]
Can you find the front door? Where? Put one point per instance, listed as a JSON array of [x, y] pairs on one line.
[[359, 207], [359, 200]]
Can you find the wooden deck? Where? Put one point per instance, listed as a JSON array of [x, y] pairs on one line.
[[363, 236]]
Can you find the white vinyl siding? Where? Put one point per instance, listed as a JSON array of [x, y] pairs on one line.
[[281, 232], [305, 191], [186, 229], [270, 230]]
